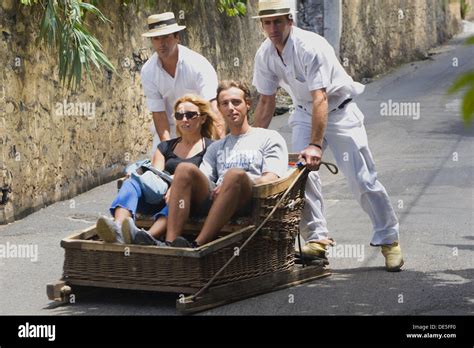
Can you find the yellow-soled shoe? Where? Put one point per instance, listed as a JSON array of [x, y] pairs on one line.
[[316, 250], [393, 257]]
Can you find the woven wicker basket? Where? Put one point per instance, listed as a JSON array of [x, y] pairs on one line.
[[91, 262]]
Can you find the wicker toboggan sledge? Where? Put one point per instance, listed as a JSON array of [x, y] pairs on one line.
[[252, 255]]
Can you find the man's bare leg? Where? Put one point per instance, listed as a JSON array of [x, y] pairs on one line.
[[190, 186], [236, 193]]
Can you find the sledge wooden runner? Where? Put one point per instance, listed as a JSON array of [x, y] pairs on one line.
[[236, 291]]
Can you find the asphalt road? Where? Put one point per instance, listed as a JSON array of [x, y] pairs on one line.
[[426, 165]]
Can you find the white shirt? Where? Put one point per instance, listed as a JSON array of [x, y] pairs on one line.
[[194, 74], [309, 63]]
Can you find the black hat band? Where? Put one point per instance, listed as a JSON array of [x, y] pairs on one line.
[[162, 23], [271, 12]]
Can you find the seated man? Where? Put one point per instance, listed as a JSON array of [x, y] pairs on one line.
[[222, 186]]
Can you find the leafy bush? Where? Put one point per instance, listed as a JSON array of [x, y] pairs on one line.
[[232, 8], [466, 81]]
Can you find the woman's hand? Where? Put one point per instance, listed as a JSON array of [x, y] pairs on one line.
[[216, 192], [168, 195]]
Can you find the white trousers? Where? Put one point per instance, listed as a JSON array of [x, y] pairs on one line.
[[347, 138]]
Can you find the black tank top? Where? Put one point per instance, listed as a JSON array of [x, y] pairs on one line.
[[171, 160]]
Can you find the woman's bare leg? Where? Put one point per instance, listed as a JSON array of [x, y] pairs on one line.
[[190, 186], [158, 229], [121, 214]]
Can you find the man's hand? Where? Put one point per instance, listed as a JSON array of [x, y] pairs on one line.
[[219, 122], [312, 155], [162, 125], [266, 178], [264, 111]]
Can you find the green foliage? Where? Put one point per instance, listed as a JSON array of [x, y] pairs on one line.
[[28, 2], [63, 29], [232, 8], [465, 8], [466, 81]]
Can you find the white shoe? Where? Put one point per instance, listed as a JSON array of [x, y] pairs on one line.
[[134, 235], [108, 230], [128, 230]]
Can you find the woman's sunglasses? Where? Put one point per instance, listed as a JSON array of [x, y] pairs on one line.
[[190, 115]]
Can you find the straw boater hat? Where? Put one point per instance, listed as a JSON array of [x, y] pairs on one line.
[[272, 8], [162, 24]]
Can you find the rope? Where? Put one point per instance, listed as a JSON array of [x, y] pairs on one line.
[[329, 166], [205, 287], [334, 170]]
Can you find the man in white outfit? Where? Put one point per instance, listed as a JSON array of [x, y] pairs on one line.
[[305, 65], [171, 72]]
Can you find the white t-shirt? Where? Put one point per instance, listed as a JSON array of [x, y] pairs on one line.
[[194, 74], [257, 152], [309, 63]]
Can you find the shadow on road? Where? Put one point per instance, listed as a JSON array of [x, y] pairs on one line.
[[451, 127], [458, 246], [100, 301], [347, 292], [410, 292]]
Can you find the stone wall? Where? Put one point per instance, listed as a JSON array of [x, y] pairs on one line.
[[311, 15], [379, 35], [57, 144]]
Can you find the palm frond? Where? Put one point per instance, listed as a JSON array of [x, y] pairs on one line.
[[63, 28]]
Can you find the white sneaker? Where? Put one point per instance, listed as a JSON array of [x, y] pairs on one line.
[[108, 230], [129, 230], [134, 235]]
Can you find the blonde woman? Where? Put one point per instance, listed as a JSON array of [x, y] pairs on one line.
[[196, 129]]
